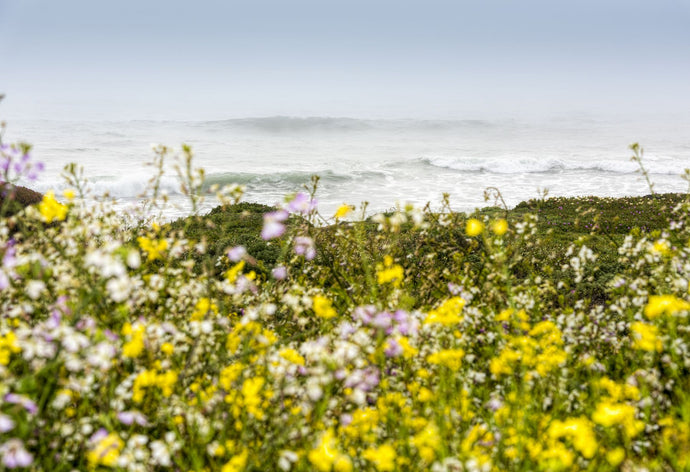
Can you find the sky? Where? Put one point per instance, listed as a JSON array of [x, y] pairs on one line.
[[172, 59]]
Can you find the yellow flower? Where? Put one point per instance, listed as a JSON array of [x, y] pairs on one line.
[[450, 358], [660, 304], [50, 209], [342, 211], [579, 431], [135, 346], [203, 306], [8, 345], [323, 308], [615, 456], [474, 227], [612, 414], [69, 194], [383, 457], [499, 227], [106, 451], [389, 272], [448, 313], [326, 456], [237, 463], [232, 273], [153, 248], [646, 337], [291, 355]]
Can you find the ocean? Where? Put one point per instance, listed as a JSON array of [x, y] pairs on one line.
[[383, 162]]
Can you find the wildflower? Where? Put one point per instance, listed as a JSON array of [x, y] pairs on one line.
[[232, 273], [279, 273], [237, 253], [152, 247], [615, 456], [8, 345], [237, 463], [105, 449], [14, 455], [202, 308], [448, 313], [301, 203], [382, 457], [6, 423], [135, 346], [450, 358], [50, 209], [668, 304], [326, 456], [610, 414], [499, 227], [474, 227], [323, 307], [389, 272], [304, 246], [646, 337], [273, 226], [342, 211], [579, 431]]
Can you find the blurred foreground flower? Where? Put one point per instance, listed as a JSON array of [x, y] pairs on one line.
[[273, 224], [50, 209]]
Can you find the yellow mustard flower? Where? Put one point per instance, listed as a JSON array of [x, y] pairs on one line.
[[342, 211], [152, 247], [323, 307], [474, 227], [326, 457], [499, 227], [383, 457], [645, 337], [448, 313], [50, 209], [106, 451], [8, 345], [668, 304], [389, 272]]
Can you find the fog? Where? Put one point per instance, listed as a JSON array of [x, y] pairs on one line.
[[79, 59]]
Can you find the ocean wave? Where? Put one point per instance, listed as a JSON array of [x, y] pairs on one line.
[[291, 179], [518, 165]]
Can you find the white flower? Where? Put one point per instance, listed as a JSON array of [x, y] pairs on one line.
[[160, 454], [6, 423], [34, 288], [119, 288]]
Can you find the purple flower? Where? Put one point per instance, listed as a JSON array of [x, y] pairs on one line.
[[14, 454], [279, 273], [16, 399], [130, 417], [237, 253], [382, 320], [364, 313], [273, 226], [393, 348], [301, 204], [304, 246]]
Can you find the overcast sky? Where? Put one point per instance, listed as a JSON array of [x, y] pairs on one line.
[[208, 59]]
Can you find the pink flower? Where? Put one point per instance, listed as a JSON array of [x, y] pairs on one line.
[[301, 204], [14, 454], [279, 273], [273, 226], [304, 246]]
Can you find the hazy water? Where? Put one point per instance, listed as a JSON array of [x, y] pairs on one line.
[[379, 161]]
